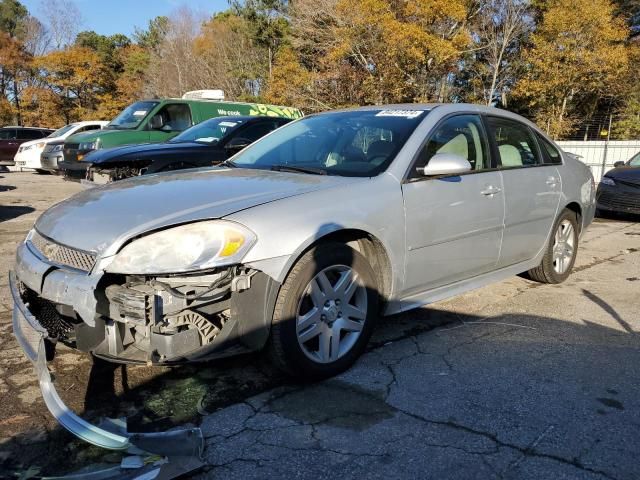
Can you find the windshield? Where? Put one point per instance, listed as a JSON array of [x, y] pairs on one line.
[[209, 131], [359, 143], [131, 116], [61, 131]]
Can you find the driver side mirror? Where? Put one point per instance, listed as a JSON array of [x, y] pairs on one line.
[[156, 122], [236, 144], [445, 164], [619, 164]]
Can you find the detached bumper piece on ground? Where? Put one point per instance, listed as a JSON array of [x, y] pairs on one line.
[[162, 455]]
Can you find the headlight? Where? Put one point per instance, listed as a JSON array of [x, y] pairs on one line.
[[53, 148], [195, 246], [608, 181], [89, 145]]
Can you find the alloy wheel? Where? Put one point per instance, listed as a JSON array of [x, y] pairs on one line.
[[331, 314]]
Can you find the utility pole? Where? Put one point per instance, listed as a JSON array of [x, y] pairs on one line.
[[606, 147]]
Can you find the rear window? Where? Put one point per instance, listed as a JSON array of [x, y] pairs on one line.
[[550, 154], [7, 134]]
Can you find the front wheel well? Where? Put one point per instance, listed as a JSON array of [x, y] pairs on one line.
[[369, 247]]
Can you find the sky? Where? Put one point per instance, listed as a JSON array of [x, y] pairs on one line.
[[122, 16]]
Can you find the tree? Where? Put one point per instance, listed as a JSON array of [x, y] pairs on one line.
[[153, 36], [267, 22], [12, 17], [501, 27], [577, 56], [291, 83], [75, 76], [63, 18]]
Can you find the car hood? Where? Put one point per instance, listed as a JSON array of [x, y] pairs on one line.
[[145, 150], [626, 174], [93, 135], [101, 219], [36, 141]]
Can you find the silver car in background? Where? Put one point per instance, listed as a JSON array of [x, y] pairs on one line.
[[300, 242]]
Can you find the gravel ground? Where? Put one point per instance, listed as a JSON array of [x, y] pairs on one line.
[[515, 380]]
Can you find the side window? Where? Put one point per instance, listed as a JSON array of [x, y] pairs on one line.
[[176, 116], [461, 135], [87, 128], [7, 134], [550, 154], [257, 130], [515, 142], [635, 161], [29, 134]]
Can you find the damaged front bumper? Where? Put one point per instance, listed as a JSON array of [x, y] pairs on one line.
[[145, 320], [186, 444], [132, 320]]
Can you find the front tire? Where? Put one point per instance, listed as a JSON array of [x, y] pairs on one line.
[[560, 256], [325, 313]]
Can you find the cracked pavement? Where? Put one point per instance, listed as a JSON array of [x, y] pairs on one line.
[[514, 380], [519, 381]]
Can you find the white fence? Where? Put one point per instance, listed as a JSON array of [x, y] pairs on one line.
[[599, 153]]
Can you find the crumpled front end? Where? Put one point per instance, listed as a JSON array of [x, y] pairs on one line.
[[180, 449], [142, 319], [60, 295]]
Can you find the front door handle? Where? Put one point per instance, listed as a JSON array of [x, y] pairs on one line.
[[490, 191]]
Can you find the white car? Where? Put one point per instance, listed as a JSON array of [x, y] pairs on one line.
[[28, 155]]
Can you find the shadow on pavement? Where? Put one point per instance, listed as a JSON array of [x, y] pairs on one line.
[[10, 212]]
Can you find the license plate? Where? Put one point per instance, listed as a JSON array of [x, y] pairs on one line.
[[21, 164]]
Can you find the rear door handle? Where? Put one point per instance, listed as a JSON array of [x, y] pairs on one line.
[[552, 181], [490, 191]]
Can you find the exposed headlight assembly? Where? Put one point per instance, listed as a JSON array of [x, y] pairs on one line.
[[187, 248], [608, 181]]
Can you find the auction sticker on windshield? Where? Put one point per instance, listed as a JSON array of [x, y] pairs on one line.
[[400, 113], [139, 113]]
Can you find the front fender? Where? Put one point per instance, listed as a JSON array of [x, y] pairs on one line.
[[286, 228]]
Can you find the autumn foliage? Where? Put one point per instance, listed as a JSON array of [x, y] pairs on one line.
[[560, 62]]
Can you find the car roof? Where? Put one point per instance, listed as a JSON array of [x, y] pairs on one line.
[[462, 107], [89, 122], [26, 128]]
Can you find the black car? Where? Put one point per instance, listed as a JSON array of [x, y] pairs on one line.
[[205, 144], [619, 189]]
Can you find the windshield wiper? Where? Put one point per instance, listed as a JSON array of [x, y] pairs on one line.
[[293, 168]]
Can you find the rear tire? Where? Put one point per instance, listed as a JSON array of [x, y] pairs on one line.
[[324, 314], [560, 255]]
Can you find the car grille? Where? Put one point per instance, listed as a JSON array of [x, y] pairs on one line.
[[620, 201], [628, 184], [71, 146], [63, 255]]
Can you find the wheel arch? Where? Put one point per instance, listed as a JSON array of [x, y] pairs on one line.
[[577, 209], [365, 243]]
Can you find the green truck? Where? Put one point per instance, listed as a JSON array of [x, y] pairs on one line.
[[157, 120]]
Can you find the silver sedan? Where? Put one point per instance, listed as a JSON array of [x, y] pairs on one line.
[[300, 242]]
